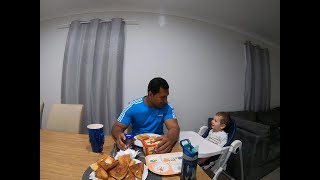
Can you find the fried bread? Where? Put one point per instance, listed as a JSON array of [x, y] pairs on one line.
[[108, 163], [119, 172], [132, 162], [130, 175], [124, 159], [94, 166], [111, 178], [101, 173], [143, 136], [107, 168], [137, 170]]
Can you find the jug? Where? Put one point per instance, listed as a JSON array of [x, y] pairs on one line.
[[189, 160]]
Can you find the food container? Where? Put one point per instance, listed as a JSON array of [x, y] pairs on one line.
[[149, 146]]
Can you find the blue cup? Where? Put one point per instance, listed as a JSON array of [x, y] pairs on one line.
[[96, 137]]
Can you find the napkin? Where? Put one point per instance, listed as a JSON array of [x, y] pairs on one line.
[[132, 153]]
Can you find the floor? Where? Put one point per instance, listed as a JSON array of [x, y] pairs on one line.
[[274, 175]]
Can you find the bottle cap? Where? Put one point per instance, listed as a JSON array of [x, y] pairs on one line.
[[129, 136], [188, 149]]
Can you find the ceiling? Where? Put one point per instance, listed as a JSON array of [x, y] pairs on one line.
[[259, 18]]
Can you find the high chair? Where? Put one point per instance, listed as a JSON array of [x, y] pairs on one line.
[[216, 164]]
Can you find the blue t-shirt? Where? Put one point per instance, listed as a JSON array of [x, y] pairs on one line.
[[145, 119]]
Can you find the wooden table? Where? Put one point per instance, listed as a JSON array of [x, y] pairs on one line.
[[68, 155]]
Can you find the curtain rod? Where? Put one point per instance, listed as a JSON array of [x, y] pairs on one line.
[[86, 22]]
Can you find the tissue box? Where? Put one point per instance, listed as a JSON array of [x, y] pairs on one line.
[[149, 145]]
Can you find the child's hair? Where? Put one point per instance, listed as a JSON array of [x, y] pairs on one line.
[[225, 118]]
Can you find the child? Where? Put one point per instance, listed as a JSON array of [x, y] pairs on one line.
[[217, 134]]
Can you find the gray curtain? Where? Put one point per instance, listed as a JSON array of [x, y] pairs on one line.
[[93, 70], [257, 78]]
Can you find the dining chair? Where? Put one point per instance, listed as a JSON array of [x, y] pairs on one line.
[[41, 111], [65, 117]]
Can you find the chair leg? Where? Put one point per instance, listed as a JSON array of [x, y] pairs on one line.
[[217, 173], [209, 165], [241, 165], [228, 175]]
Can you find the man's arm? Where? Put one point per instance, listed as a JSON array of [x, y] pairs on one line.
[[118, 135], [169, 139], [173, 129]]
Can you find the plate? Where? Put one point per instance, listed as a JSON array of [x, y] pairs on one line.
[[137, 142], [165, 164], [89, 173]]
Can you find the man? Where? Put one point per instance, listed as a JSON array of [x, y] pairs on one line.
[[147, 115]]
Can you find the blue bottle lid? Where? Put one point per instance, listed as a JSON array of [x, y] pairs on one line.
[[188, 149], [129, 136]]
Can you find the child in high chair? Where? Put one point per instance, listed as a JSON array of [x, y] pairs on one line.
[[217, 134]]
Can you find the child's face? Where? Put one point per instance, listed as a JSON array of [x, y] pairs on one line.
[[216, 123]]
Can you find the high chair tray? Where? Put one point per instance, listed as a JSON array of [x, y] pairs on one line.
[[165, 164], [206, 148]]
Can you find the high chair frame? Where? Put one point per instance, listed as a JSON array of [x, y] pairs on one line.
[[219, 166]]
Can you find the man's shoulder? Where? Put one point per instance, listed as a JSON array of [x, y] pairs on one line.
[[169, 105], [136, 101]]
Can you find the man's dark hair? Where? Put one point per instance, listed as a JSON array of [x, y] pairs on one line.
[[156, 83]]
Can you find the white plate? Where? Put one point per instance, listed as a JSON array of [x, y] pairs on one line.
[[144, 175], [137, 142]]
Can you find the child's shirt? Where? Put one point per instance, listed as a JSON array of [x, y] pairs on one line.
[[220, 138]]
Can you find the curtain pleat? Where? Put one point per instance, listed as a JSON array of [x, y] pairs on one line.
[[92, 70], [257, 93]]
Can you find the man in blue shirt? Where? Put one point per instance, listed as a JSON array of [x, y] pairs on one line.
[[147, 115]]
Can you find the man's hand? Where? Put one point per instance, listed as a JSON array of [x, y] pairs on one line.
[[118, 135], [170, 139], [166, 144], [121, 139]]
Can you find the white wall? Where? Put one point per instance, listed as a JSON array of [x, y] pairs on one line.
[[203, 63]]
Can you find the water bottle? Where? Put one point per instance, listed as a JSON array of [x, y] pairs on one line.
[[189, 160], [129, 141]]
